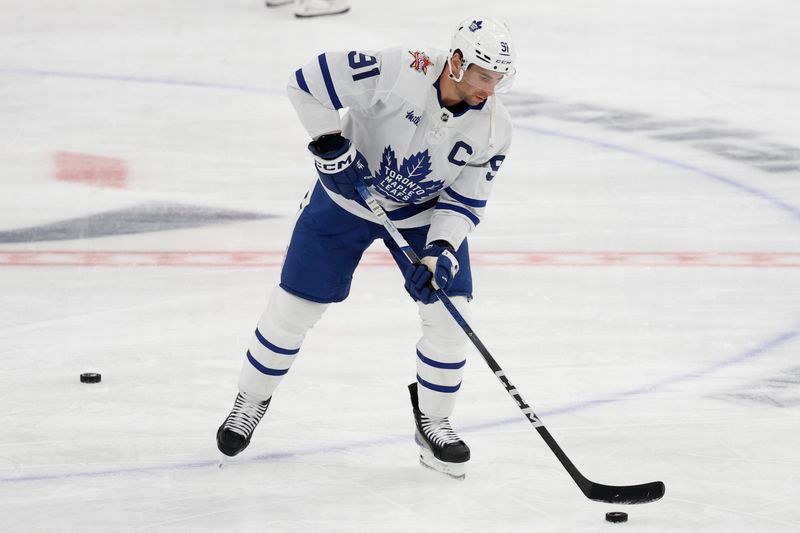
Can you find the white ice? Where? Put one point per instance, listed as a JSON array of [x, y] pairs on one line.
[[637, 275]]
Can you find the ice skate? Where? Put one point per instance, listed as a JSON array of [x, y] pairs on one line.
[[234, 434], [440, 448], [318, 8]]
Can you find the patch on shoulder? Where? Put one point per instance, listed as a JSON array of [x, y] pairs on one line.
[[421, 61]]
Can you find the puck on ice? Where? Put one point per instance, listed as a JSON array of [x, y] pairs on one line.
[[616, 517], [90, 377]]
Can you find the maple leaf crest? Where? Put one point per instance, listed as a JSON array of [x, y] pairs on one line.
[[388, 162], [406, 183]]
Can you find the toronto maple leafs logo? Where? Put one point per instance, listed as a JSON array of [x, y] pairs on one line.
[[476, 25], [406, 182]]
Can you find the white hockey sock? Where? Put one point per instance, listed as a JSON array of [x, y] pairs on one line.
[[276, 342], [441, 356]]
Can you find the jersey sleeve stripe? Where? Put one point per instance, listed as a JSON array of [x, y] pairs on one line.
[[326, 75], [301, 80], [458, 209], [465, 200]]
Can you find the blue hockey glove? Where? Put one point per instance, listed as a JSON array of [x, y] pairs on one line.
[[440, 258], [437, 268], [339, 164], [418, 283]]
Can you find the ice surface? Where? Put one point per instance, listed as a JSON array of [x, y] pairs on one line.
[[637, 274]]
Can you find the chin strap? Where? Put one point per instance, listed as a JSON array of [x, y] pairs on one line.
[[492, 121]]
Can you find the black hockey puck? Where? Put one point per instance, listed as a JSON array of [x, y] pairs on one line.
[[617, 516], [90, 377]]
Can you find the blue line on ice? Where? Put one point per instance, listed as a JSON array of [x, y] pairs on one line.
[[134, 79], [776, 202]]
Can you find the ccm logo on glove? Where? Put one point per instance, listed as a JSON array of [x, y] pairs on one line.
[[343, 162], [339, 165]]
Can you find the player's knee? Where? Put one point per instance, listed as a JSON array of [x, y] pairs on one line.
[[440, 332], [292, 313]]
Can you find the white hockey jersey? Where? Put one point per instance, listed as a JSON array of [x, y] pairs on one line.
[[430, 164]]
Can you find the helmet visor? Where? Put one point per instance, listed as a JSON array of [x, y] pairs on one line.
[[486, 80]]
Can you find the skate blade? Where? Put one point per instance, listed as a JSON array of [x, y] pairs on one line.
[[453, 470]]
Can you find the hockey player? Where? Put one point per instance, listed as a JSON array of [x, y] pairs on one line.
[[425, 131]]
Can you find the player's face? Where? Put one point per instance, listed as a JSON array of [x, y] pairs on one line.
[[478, 84]]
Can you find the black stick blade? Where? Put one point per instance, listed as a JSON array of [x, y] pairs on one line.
[[629, 494]]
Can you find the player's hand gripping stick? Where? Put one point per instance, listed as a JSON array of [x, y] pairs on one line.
[[436, 270], [339, 165]]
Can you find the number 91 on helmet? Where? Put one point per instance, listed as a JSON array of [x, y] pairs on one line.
[[485, 43]]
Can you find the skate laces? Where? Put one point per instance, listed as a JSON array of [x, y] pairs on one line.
[[438, 430], [245, 415]]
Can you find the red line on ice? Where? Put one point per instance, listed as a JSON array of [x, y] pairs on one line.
[[502, 258]]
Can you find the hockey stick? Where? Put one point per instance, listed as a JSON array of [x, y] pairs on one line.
[[629, 494]]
